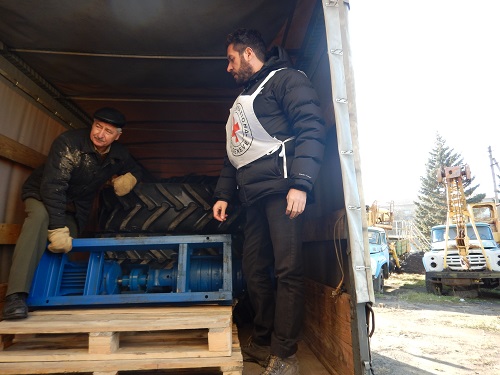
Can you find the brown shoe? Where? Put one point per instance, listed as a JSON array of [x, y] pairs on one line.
[[282, 366], [253, 352], [15, 306]]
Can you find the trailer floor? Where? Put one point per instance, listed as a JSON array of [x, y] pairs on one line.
[[309, 363]]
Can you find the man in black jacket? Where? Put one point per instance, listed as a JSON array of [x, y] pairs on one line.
[[58, 197], [275, 138]]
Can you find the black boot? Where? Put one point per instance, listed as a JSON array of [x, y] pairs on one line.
[[15, 306]]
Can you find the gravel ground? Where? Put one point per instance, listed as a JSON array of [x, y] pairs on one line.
[[422, 334]]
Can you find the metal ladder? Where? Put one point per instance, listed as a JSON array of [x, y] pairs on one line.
[[408, 230]]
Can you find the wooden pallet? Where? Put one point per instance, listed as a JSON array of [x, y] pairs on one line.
[[105, 341]]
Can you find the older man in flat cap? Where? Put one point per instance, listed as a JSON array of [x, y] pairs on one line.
[[58, 197]]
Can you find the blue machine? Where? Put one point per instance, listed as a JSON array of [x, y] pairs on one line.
[[138, 270]]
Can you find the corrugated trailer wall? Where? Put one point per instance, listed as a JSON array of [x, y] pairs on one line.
[[21, 124]]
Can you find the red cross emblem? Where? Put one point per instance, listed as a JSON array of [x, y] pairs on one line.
[[236, 127]]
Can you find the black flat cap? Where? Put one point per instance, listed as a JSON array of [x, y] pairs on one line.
[[111, 116]]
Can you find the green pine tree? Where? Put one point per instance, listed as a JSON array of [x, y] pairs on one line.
[[431, 206]]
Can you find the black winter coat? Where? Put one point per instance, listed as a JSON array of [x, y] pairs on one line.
[[72, 175], [287, 106]]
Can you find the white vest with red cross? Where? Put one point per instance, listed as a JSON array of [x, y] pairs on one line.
[[246, 138]]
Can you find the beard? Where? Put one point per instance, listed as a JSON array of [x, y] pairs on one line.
[[244, 73]]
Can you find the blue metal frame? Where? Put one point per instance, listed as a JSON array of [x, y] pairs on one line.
[[49, 281]]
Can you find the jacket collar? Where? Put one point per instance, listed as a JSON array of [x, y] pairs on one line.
[[276, 58]]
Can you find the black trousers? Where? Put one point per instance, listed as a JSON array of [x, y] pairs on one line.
[[273, 270]]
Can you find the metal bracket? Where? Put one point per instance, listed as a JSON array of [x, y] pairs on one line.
[[361, 268], [333, 3]]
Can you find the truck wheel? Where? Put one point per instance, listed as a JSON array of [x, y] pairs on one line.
[[432, 287], [165, 208], [386, 272], [392, 265], [378, 284]]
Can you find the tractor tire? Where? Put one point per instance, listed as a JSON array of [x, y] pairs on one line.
[[165, 208]]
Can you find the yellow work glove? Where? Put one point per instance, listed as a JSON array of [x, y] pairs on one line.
[[60, 240], [124, 183]]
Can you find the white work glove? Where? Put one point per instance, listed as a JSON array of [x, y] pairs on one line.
[[124, 184], [60, 240]]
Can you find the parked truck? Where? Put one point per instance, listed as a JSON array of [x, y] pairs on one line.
[[163, 64], [464, 255], [487, 212], [382, 216], [379, 257]]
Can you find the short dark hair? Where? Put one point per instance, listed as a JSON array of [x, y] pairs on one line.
[[243, 38]]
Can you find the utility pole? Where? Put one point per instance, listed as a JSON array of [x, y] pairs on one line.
[[493, 163]]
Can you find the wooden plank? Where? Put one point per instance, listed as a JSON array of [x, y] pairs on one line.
[[9, 233], [327, 328], [24, 354], [87, 335], [219, 339], [104, 342], [6, 341], [19, 153], [233, 364], [71, 321], [141, 360]]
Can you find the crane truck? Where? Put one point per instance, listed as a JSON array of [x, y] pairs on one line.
[[464, 255]]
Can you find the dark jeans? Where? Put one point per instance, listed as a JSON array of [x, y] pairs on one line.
[[273, 239]]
